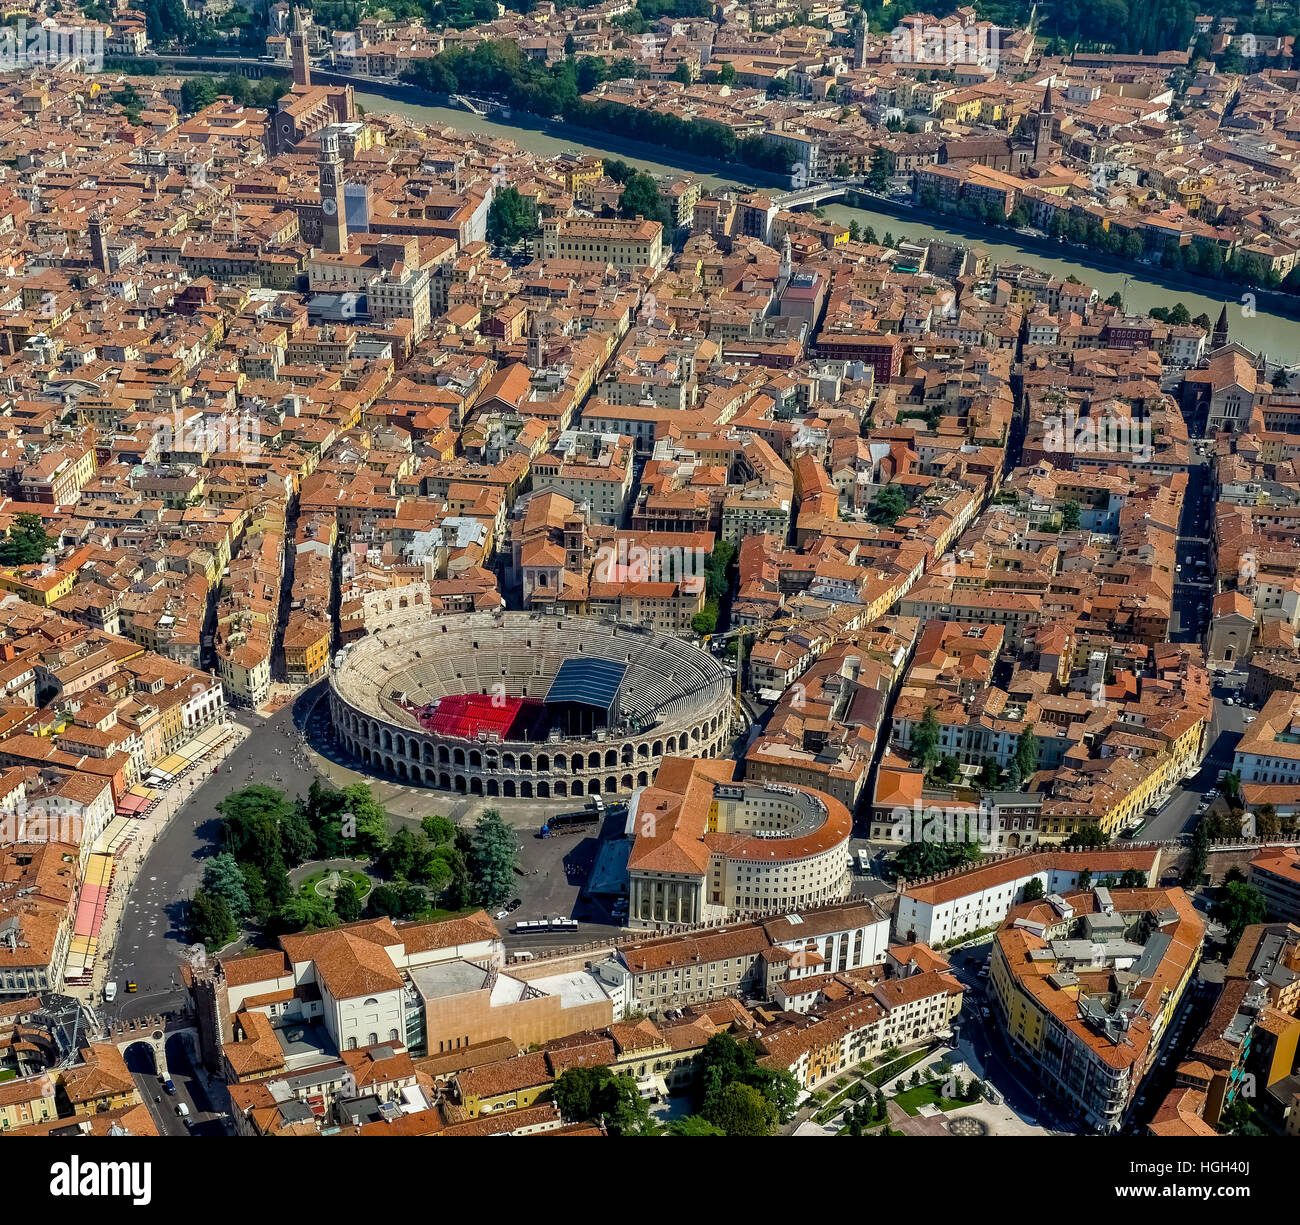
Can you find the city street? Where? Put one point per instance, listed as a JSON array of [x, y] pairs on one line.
[[1177, 815], [152, 935], [189, 1089]]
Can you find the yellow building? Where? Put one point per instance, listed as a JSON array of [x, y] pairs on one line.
[[40, 585], [27, 1101], [1085, 987]]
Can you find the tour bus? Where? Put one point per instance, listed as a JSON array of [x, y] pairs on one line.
[[531, 925], [564, 925]]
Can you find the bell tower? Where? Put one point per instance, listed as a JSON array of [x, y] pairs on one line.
[[298, 49]]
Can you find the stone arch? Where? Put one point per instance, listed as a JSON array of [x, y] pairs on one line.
[[593, 761], [561, 788], [577, 786], [627, 782], [460, 783], [526, 790], [475, 785], [458, 757], [475, 759], [492, 788], [611, 785], [508, 788], [543, 762], [444, 755], [543, 790], [643, 779], [444, 781], [611, 757]]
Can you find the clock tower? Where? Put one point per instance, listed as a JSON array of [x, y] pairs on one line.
[[334, 222]]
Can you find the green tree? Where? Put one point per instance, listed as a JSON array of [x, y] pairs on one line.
[[1071, 516], [492, 858], [740, 1110], [1033, 890], [347, 901], [27, 541], [1238, 907], [297, 837], [887, 506], [878, 171], [438, 829], [222, 878], [693, 1124], [259, 903], [198, 92], [368, 819], [597, 1094], [706, 620], [406, 855], [1025, 761], [511, 218], [925, 741], [641, 198], [210, 920], [250, 822], [306, 911], [727, 73]]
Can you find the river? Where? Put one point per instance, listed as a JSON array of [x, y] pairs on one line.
[[1262, 330]]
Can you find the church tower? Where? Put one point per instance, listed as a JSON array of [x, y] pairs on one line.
[[334, 221], [1043, 128], [99, 256], [1220, 330], [860, 44], [298, 49]]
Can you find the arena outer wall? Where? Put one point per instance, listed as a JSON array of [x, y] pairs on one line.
[[518, 653]]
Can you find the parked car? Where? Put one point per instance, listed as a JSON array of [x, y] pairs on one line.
[[169, 1087], [110, 992], [514, 905]]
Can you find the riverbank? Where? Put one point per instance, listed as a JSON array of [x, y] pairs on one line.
[[1267, 325], [717, 173], [1280, 303]]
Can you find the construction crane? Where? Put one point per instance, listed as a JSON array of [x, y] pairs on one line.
[[751, 631]]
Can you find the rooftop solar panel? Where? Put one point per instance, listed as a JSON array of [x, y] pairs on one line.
[[587, 681]]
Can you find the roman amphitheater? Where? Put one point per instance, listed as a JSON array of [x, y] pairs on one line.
[[526, 705]]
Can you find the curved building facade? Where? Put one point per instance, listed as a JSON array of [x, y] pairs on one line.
[[708, 848]]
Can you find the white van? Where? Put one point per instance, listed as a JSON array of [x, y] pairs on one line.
[[183, 1110], [523, 956], [110, 992]]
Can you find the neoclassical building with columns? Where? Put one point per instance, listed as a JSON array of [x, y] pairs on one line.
[[708, 848]]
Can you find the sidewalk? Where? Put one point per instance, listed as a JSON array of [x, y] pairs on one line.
[[132, 856]]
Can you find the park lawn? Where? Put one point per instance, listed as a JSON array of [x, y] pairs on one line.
[[927, 1095], [360, 879], [891, 1071], [8, 1074]]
